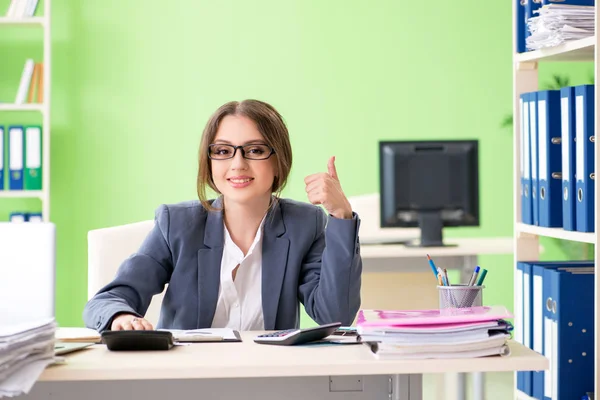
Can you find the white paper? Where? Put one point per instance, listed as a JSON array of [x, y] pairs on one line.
[[527, 140], [538, 310], [542, 140], [522, 131], [580, 135], [34, 147], [526, 311], [16, 148], [554, 361], [533, 122], [203, 334], [565, 144], [548, 354]]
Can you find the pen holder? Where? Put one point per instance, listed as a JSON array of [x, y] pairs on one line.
[[460, 296]]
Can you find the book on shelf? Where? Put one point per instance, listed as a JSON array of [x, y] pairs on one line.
[[31, 86], [19, 9]]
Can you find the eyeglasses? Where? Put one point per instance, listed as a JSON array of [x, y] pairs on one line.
[[249, 151]]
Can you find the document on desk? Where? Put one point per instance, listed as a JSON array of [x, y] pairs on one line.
[[205, 335], [25, 350], [77, 335]]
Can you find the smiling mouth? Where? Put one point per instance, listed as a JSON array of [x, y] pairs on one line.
[[245, 180]]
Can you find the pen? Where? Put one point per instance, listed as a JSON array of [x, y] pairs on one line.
[[441, 273], [474, 276], [432, 265], [439, 276], [446, 275], [482, 276]]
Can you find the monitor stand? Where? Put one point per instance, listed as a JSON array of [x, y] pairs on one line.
[[431, 225]]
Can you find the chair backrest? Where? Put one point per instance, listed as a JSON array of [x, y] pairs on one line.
[[27, 271], [108, 248], [367, 207]]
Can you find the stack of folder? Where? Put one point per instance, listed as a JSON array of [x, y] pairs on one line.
[[557, 158], [448, 333], [554, 316], [543, 17], [23, 167]]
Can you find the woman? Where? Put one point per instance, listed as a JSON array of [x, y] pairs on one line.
[[246, 259]]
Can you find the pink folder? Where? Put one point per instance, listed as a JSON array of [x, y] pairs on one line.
[[379, 318]]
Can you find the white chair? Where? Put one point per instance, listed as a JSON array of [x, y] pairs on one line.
[[108, 248]]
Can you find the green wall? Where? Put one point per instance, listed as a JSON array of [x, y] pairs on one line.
[[134, 82]]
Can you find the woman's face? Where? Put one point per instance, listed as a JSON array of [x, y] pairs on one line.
[[239, 179]]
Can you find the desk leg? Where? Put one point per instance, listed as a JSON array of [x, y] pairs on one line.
[[406, 387], [477, 377], [478, 385]]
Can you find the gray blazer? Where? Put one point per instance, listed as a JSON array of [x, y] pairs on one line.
[[302, 261]]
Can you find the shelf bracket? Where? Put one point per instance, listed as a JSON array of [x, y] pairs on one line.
[[527, 66]]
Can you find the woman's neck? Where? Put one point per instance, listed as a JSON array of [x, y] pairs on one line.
[[243, 220]]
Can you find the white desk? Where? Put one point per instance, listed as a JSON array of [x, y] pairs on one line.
[[463, 256], [249, 370], [392, 258]]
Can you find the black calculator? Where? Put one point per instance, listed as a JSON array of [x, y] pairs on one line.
[[289, 337]]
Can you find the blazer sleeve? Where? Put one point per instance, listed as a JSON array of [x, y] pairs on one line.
[[330, 276], [139, 277]]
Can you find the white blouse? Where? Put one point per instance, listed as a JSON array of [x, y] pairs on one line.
[[239, 305]]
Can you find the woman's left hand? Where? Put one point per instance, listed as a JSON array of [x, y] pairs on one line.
[[325, 188]]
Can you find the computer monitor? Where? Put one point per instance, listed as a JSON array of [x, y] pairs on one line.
[[430, 185]]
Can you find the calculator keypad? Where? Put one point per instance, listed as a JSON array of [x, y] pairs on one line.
[[278, 333]]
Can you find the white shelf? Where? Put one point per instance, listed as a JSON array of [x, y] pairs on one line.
[[22, 194], [41, 21], [558, 233], [576, 50], [21, 107]]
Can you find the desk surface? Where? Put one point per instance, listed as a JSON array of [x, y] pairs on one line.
[[250, 360], [466, 247]]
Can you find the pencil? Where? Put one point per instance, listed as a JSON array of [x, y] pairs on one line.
[[432, 265]]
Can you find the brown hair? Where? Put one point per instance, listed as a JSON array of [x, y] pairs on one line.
[[269, 123]]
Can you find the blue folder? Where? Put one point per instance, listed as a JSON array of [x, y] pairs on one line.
[[570, 334], [523, 377], [549, 159], [520, 27], [538, 329], [533, 132], [584, 157], [526, 205], [567, 141], [16, 156], [570, 2]]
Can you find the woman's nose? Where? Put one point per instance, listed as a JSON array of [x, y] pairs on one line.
[[238, 161]]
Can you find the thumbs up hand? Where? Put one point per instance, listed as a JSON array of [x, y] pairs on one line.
[[324, 188]]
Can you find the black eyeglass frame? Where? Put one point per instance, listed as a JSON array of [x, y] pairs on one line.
[[235, 149]]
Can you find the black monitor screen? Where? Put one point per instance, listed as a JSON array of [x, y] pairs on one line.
[[429, 184]]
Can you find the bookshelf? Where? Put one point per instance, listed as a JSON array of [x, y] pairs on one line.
[[43, 108], [526, 237]]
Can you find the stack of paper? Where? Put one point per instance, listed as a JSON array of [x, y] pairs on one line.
[[560, 23], [77, 335], [26, 349], [448, 333]]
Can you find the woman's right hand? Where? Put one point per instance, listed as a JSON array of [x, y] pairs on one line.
[[130, 322]]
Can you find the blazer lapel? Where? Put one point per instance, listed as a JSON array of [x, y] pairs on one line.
[[209, 266], [274, 262]]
